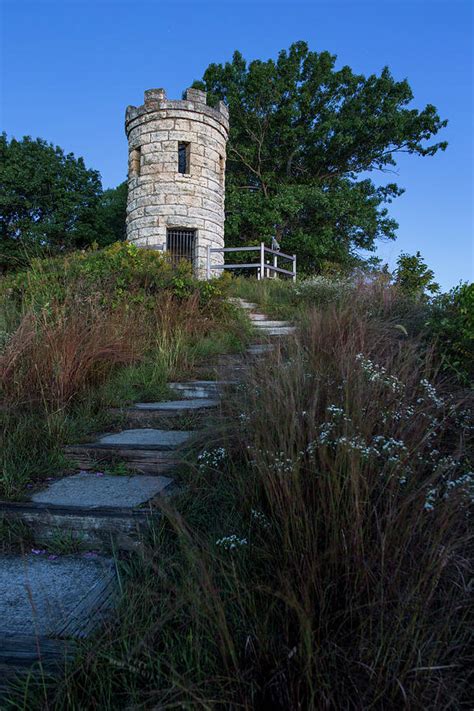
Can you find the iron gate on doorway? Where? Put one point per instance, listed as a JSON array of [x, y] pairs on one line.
[[180, 244]]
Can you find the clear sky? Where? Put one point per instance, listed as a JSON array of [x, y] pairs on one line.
[[71, 67]]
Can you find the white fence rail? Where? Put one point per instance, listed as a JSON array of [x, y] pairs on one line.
[[264, 267]]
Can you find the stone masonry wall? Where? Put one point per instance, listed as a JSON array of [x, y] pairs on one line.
[[159, 197]]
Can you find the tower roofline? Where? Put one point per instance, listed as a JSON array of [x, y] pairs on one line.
[[195, 101]]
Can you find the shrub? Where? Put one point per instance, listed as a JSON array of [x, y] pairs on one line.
[[451, 325], [70, 321]]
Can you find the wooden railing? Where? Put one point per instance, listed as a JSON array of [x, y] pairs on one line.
[[264, 267]]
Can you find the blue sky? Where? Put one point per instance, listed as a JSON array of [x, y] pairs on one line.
[[70, 68]]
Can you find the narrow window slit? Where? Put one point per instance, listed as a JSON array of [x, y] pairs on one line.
[[135, 161], [184, 150]]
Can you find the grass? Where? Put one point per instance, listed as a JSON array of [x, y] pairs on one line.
[[68, 356], [317, 556]]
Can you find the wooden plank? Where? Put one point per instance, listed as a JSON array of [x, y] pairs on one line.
[[102, 528], [21, 651], [139, 460]]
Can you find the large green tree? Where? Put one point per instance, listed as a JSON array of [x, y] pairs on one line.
[[304, 139], [50, 202]]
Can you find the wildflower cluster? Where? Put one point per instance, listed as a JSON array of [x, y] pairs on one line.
[[282, 464], [260, 518], [321, 289], [378, 374], [232, 542], [211, 458], [430, 393]]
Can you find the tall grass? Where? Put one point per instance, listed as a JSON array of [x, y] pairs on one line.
[[90, 332], [319, 555]]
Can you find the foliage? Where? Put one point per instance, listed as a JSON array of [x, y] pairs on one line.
[[111, 214], [305, 564], [121, 274], [451, 326], [413, 276], [95, 329], [48, 201], [303, 137]]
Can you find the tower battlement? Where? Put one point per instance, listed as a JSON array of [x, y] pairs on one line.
[[195, 100]]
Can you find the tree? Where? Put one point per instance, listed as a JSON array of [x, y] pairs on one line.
[[304, 138], [48, 201], [414, 277], [111, 214]]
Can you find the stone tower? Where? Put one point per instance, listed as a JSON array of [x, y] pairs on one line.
[[176, 176]]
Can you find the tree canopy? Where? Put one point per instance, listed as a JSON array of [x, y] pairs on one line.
[[51, 203], [304, 139]]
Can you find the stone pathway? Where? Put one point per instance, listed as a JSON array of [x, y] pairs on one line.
[[48, 601]]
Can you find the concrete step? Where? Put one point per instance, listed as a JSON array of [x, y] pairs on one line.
[[172, 413], [267, 323], [91, 509], [206, 389], [278, 331], [259, 349], [103, 528], [138, 460], [253, 316], [45, 603], [244, 304], [181, 406], [145, 450]]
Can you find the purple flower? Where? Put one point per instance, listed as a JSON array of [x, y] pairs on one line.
[[90, 554], [38, 551], [52, 557]]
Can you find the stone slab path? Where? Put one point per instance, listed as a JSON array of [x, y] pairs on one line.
[[48, 601], [96, 490]]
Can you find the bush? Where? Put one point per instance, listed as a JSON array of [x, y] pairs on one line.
[[451, 324], [121, 273], [69, 321]]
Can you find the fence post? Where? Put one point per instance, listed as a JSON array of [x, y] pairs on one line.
[[208, 262], [294, 267], [262, 260], [275, 264]]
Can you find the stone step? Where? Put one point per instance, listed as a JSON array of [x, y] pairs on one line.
[[271, 324], [145, 438], [136, 459], [253, 316], [181, 406], [195, 389], [91, 509], [259, 349], [244, 304], [102, 528], [144, 450], [189, 413], [45, 602], [278, 331]]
